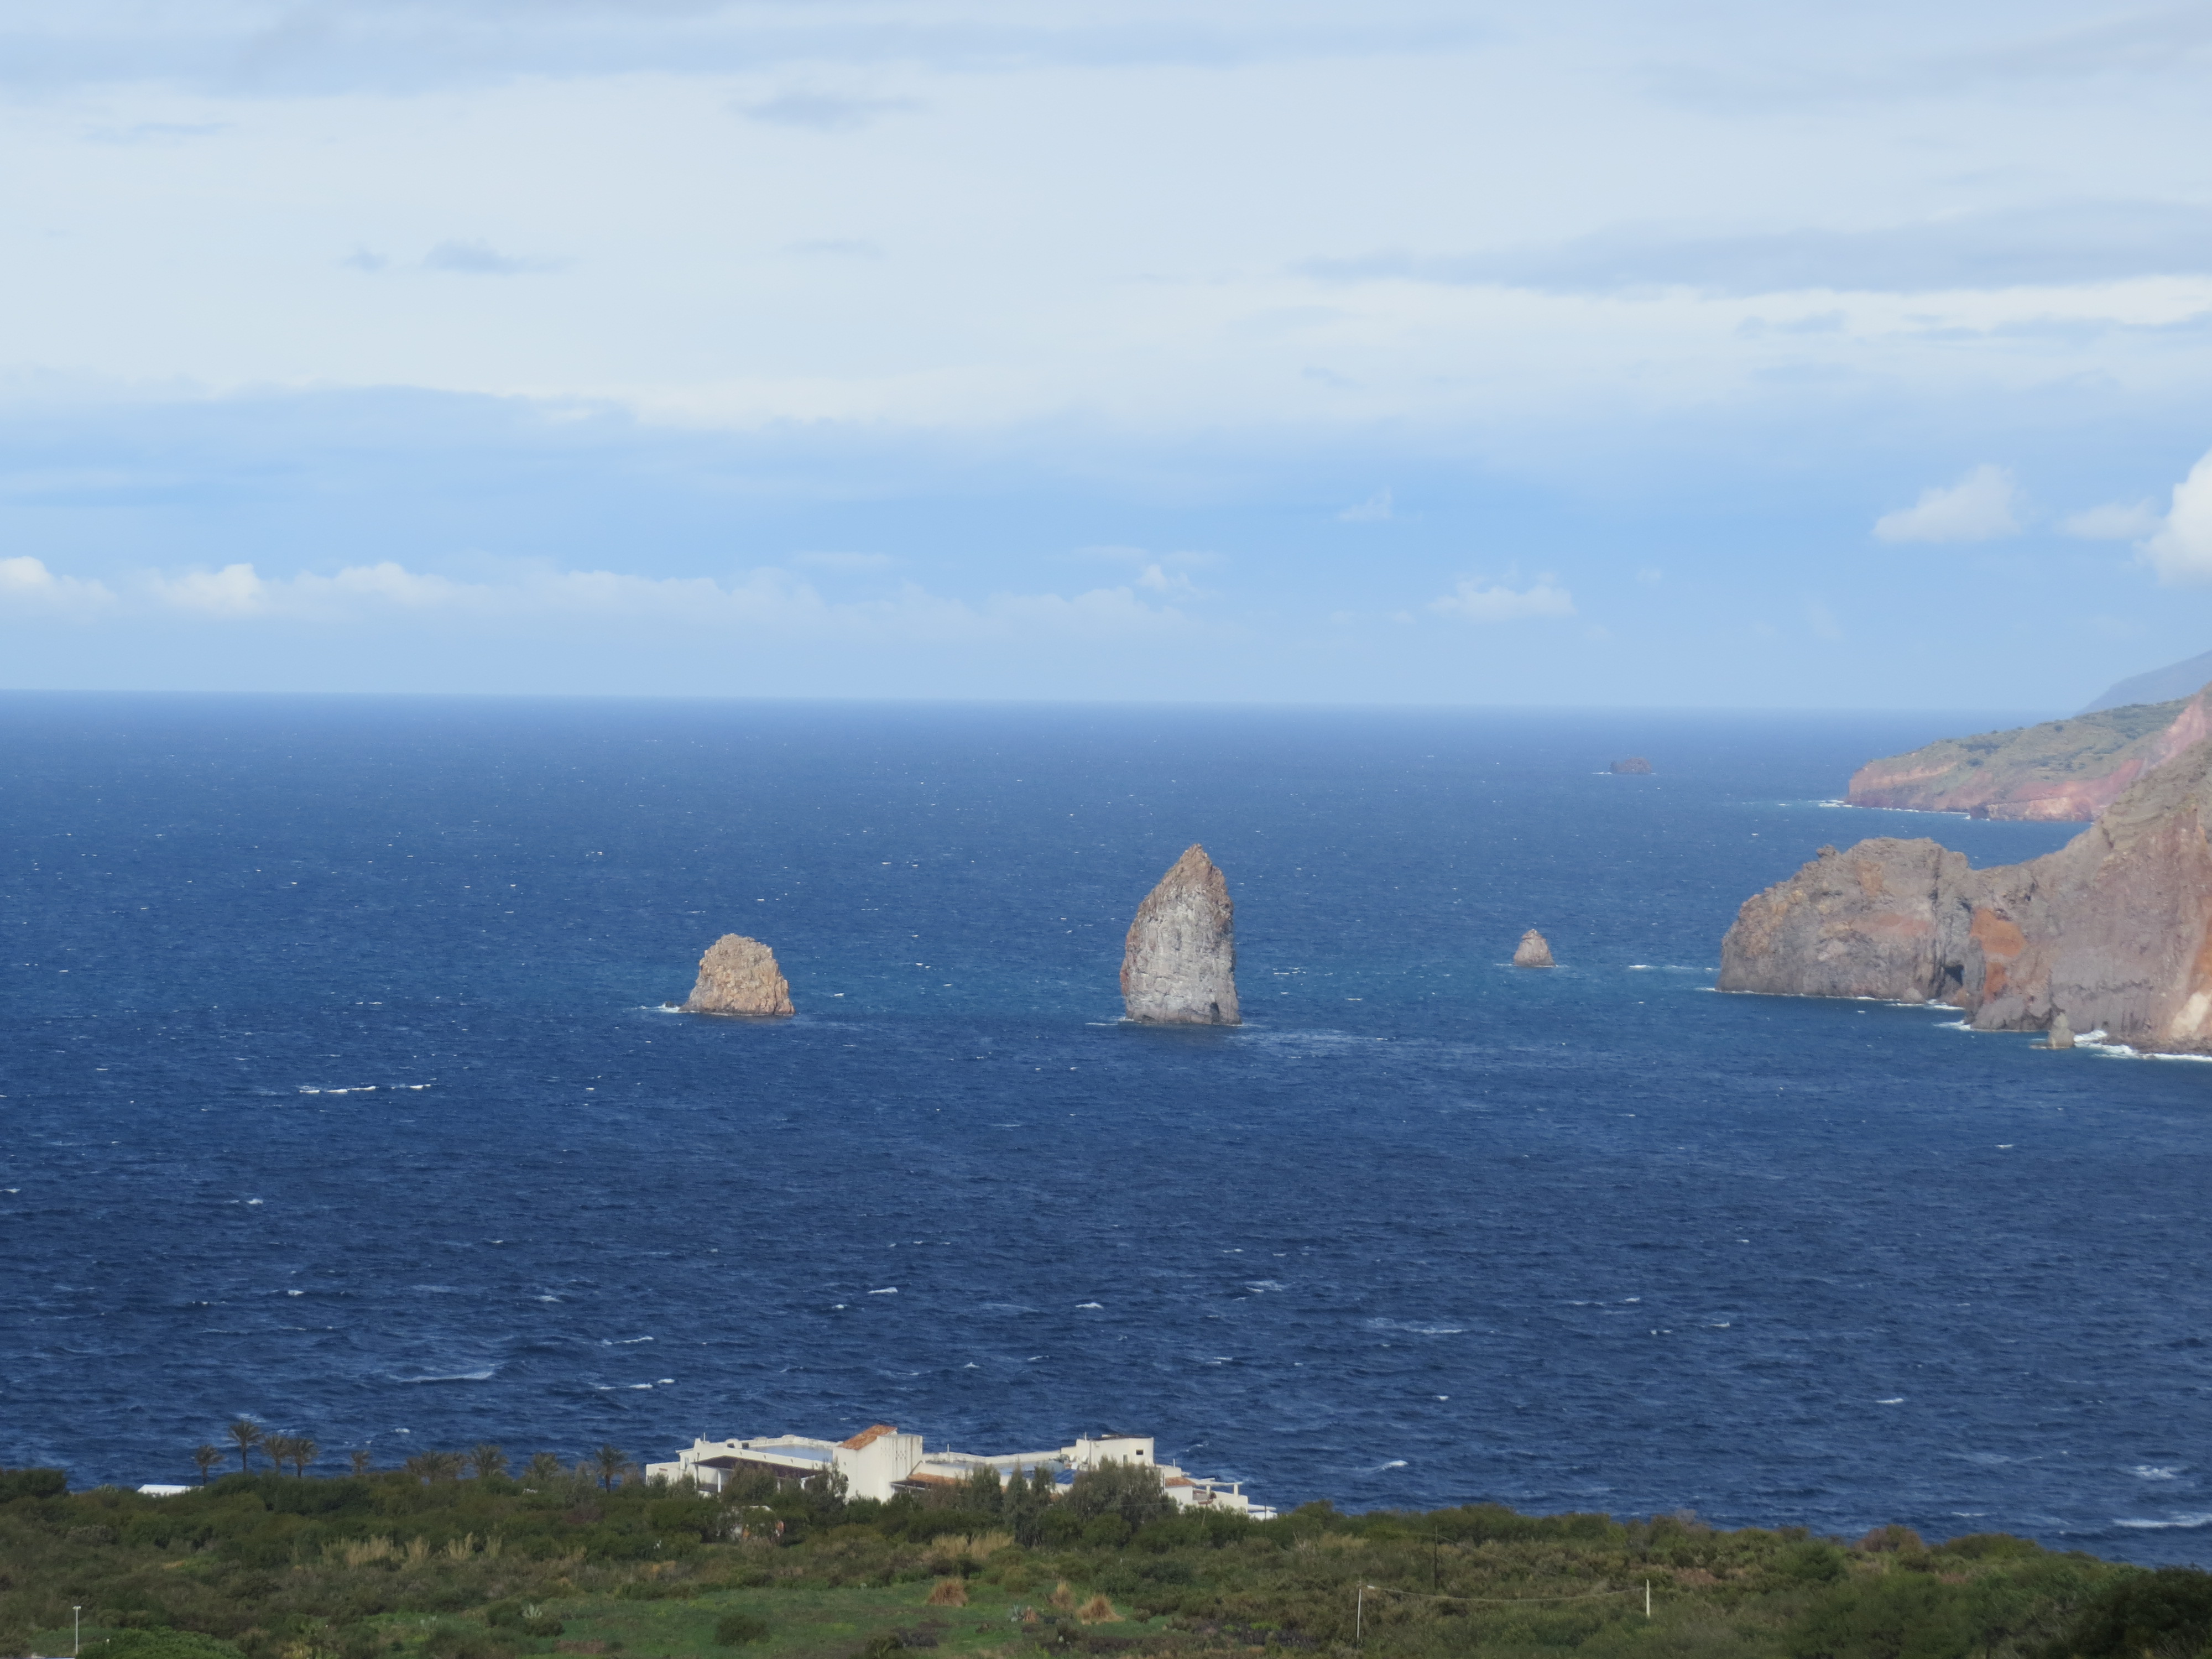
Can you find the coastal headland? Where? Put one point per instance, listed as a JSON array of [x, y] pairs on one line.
[[2113, 931], [2068, 770]]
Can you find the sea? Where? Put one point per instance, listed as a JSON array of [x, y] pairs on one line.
[[343, 1085]]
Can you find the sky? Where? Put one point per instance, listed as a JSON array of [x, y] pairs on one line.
[[1727, 355]]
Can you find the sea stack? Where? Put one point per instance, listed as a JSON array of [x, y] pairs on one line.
[[1180, 966], [2061, 1034], [1535, 951], [738, 976], [1635, 766]]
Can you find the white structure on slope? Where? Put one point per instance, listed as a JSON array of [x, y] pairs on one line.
[[879, 1462]]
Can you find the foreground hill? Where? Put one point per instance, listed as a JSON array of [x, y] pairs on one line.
[[390, 1566], [2069, 770]]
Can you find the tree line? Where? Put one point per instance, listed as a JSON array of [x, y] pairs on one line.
[[610, 1466]]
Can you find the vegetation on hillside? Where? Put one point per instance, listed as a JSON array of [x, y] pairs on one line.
[[433, 1562]]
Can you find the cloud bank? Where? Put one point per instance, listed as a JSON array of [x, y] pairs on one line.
[[1981, 506]]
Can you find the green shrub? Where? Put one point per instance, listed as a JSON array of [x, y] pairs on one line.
[[1108, 1532], [2168, 1611], [1900, 1616], [164, 1644], [736, 1629], [32, 1482], [1811, 1563]]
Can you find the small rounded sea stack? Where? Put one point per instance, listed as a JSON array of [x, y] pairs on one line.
[[1534, 951], [2061, 1034], [1180, 966], [1635, 765], [738, 976]]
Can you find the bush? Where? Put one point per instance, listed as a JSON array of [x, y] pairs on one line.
[[32, 1482], [1108, 1532], [1904, 1616], [1811, 1563], [2169, 1611], [166, 1644], [735, 1630]]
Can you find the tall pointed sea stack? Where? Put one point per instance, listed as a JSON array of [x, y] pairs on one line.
[[1180, 968], [738, 976]]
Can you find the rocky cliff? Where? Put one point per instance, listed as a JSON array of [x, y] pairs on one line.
[[738, 976], [2069, 770], [2114, 930], [1179, 967]]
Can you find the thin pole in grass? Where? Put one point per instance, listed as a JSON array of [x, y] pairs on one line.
[[1359, 1617], [1647, 1598], [76, 1630]]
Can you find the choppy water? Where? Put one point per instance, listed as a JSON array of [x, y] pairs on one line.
[[339, 1089]]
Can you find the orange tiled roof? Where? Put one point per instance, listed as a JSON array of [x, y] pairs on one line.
[[869, 1435]]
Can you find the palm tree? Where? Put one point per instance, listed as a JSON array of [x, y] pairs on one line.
[[359, 1458], [303, 1451], [247, 1433], [420, 1467], [277, 1448], [207, 1457], [488, 1460], [613, 1463], [545, 1468], [448, 1465]]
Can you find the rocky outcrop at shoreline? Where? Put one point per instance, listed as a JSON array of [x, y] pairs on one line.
[[738, 976], [2066, 770], [1179, 967], [2113, 930], [1535, 951]]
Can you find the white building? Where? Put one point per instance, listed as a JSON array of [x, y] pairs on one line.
[[880, 1462]]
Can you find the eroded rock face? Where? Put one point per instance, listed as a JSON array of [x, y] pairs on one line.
[[1180, 965], [1535, 951], [738, 976], [1880, 920], [2112, 930]]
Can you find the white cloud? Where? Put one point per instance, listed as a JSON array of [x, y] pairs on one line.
[[27, 582], [1155, 579], [2181, 548], [1981, 506], [234, 590], [2114, 521], [767, 598], [1375, 508], [1500, 604], [846, 560], [471, 258]]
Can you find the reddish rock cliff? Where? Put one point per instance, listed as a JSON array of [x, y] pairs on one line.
[[2114, 930], [2063, 770]]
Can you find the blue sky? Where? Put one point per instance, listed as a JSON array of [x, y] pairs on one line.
[[1729, 355]]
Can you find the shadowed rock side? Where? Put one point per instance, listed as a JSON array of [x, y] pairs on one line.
[[738, 976], [1535, 951], [2110, 930], [2062, 771], [1180, 966]]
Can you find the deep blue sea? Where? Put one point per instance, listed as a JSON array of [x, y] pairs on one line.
[[342, 1088]]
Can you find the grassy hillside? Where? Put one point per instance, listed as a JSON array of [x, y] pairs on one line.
[[401, 1567], [1952, 773]]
